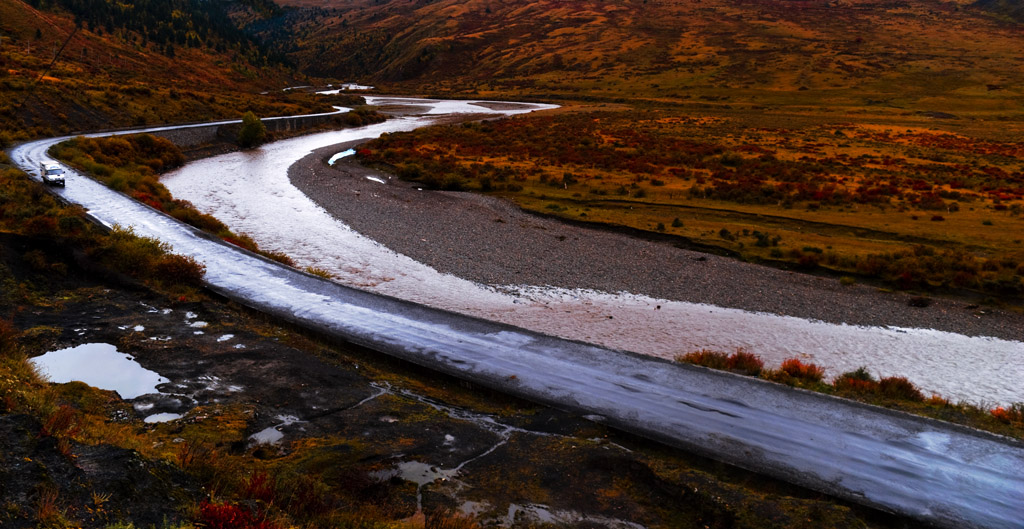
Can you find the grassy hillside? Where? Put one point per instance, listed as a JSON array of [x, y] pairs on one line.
[[69, 66], [920, 54]]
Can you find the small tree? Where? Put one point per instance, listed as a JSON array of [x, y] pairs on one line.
[[253, 131]]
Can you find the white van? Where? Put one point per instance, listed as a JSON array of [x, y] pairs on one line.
[[52, 173]]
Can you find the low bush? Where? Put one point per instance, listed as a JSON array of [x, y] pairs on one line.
[[799, 370], [230, 516], [179, 270], [741, 362], [899, 388], [706, 358], [1014, 415]]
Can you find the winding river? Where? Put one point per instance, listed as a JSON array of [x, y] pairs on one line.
[[251, 193]]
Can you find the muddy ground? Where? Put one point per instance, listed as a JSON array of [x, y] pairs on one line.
[[380, 434]]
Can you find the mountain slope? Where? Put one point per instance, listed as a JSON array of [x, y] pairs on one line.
[[839, 52], [82, 67]]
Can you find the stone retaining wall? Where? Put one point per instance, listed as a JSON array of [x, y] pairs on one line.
[[192, 136]]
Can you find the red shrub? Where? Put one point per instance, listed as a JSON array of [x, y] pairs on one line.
[[740, 362], [706, 358], [61, 423], [745, 363], [243, 242], [855, 385], [261, 486], [799, 370], [8, 336], [228, 516], [1014, 415]]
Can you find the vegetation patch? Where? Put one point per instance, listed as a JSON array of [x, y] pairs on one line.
[[131, 164], [812, 195], [892, 392]]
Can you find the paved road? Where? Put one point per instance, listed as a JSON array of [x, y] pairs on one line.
[[935, 472]]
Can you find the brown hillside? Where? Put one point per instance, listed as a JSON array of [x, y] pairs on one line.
[[921, 53], [116, 78]]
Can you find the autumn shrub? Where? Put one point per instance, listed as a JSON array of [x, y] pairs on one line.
[[445, 519], [126, 252], [1014, 415], [230, 516], [741, 362], [899, 388], [854, 386], [206, 222], [242, 241], [319, 272], [260, 486], [279, 257], [795, 368], [306, 497], [745, 363], [40, 226], [8, 336], [179, 270], [63, 422], [706, 358]]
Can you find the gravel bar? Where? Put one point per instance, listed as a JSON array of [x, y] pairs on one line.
[[492, 241]]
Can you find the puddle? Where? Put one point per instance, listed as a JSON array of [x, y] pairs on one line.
[[100, 365], [542, 514], [162, 417], [273, 434], [340, 155], [421, 473], [375, 179], [225, 337]]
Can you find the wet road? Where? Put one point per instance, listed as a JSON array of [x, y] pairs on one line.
[[932, 471]]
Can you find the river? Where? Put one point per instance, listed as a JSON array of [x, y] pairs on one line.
[[251, 193]]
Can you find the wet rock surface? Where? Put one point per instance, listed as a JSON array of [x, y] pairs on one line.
[[374, 431], [491, 241]]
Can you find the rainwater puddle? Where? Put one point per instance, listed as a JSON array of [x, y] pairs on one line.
[[375, 179], [100, 365], [343, 154], [536, 513], [416, 472], [273, 435], [162, 417]]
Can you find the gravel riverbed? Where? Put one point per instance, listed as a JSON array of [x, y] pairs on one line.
[[491, 241]]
